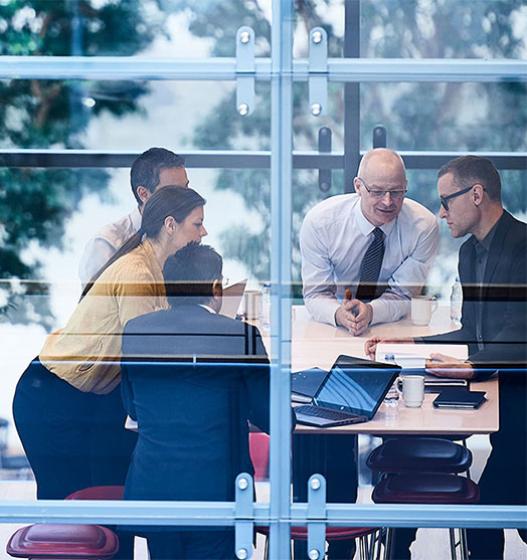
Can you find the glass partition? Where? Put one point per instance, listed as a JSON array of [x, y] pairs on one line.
[[196, 351]]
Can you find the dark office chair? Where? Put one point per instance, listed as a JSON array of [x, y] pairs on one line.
[[419, 454], [420, 471]]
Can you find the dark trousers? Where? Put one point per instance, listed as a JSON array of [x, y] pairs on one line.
[[191, 545], [334, 457], [504, 480], [73, 440]]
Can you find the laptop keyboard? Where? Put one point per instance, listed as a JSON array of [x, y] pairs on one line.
[[319, 412]]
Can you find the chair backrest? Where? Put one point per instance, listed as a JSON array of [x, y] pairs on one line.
[[259, 451], [98, 493]]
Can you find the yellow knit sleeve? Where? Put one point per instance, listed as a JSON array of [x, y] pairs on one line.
[[139, 296]]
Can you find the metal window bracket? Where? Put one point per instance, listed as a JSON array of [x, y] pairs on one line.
[[316, 509], [244, 517], [318, 71], [245, 63], [379, 137], [324, 147]]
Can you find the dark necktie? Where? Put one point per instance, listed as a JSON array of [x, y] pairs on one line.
[[370, 267]]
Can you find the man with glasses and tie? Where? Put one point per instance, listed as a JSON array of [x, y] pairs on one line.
[[375, 245], [363, 256]]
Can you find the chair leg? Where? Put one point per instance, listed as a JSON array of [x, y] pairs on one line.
[[452, 534], [464, 442], [388, 544], [463, 544], [372, 544], [378, 546], [365, 548], [266, 549], [378, 543]]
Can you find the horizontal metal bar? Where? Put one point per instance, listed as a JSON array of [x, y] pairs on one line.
[[223, 514], [425, 70], [424, 516], [123, 68], [219, 159], [205, 159], [213, 69], [434, 160]]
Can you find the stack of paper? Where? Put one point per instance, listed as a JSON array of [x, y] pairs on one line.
[[414, 356]]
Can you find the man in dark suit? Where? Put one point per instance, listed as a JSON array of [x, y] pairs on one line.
[[206, 376], [493, 274]]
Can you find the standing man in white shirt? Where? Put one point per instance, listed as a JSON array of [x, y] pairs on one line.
[[375, 242], [153, 169], [371, 250]]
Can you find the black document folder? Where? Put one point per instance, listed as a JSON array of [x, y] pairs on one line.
[[459, 398]]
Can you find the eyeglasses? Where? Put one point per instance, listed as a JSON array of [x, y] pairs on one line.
[[396, 193], [444, 199]]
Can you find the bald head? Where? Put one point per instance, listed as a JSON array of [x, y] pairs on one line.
[[384, 164], [381, 173]]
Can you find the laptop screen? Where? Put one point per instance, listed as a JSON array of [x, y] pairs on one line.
[[356, 386]]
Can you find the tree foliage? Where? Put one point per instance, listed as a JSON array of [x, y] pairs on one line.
[[35, 204]]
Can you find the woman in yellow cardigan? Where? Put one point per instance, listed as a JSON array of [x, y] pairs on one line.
[[67, 405]]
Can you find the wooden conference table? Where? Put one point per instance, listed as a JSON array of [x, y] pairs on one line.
[[317, 344]]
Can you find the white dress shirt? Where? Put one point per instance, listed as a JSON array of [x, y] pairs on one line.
[[105, 243], [333, 240]]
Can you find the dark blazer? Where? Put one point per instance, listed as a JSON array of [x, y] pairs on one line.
[[500, 304], [192, 379]]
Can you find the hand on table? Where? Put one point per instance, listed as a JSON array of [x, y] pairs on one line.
[[354, 315], [447, 366], [370, 346]]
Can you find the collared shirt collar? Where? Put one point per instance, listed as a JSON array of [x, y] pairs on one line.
[[209, 309], [485, 243], [367, 227]]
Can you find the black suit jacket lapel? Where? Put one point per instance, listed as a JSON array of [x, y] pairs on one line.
[[496, 252]]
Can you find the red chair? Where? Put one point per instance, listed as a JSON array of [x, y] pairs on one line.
[[259, 452], [98, 493], [92, 542], [87, 542]]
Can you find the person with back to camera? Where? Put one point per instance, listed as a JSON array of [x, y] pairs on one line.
[[67, 405], [493, 273], [201, 377]]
